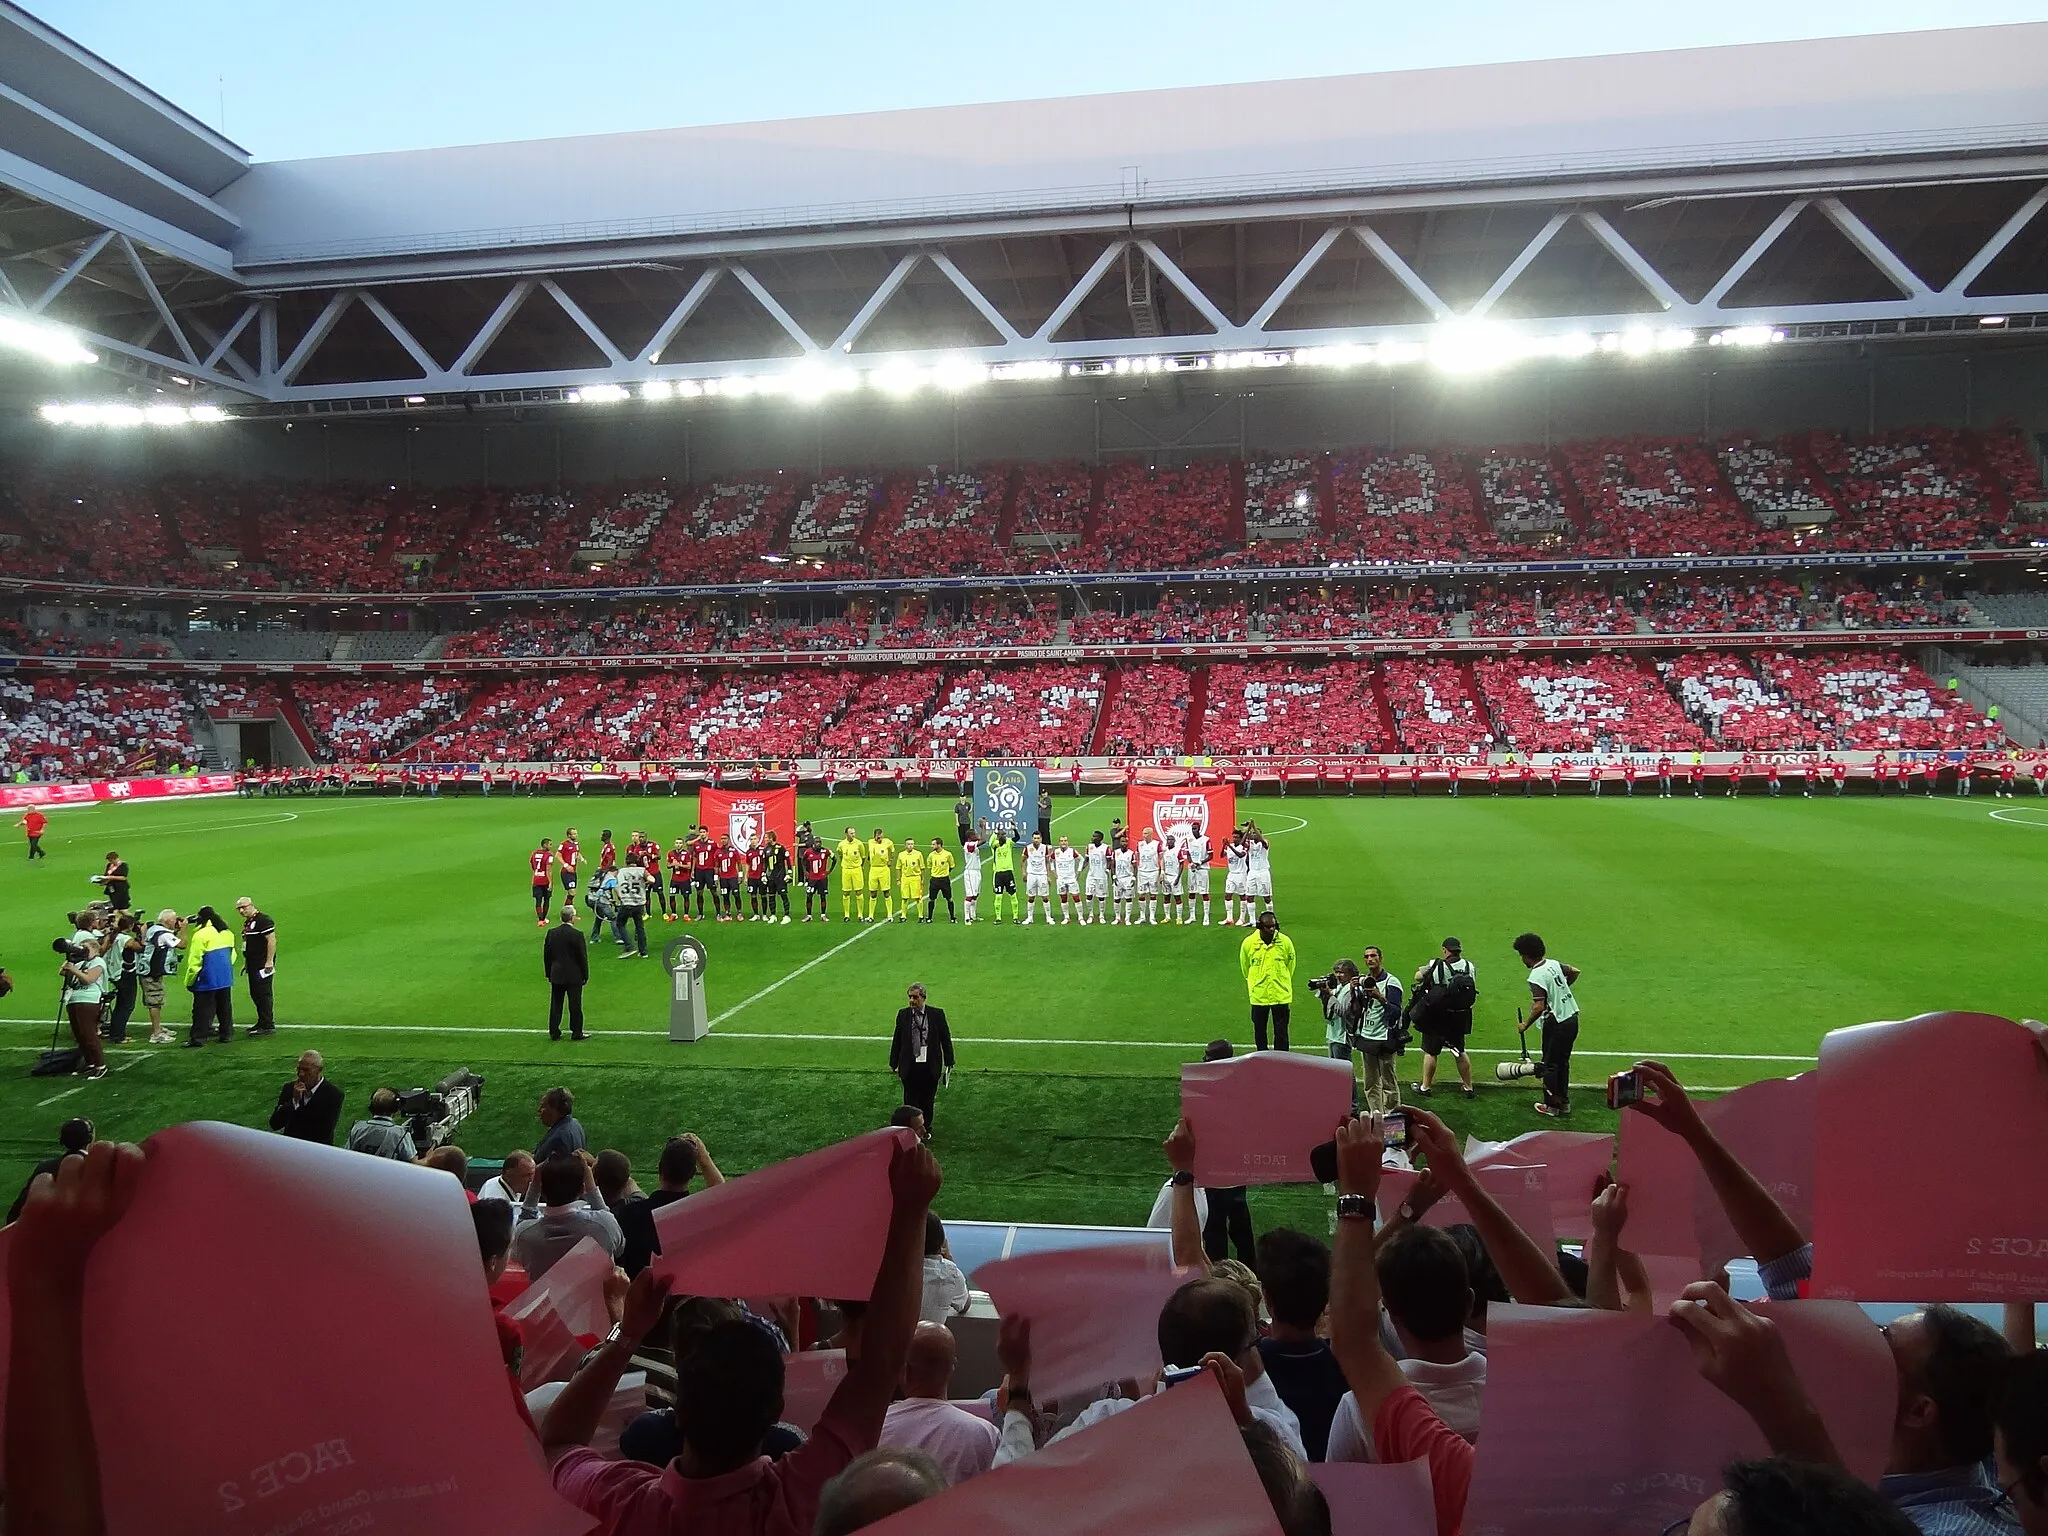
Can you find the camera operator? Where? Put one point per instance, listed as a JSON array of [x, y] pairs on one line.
[[123, 953], [84, 975], [1445, 990], [1364, 1014], [113, 881], [154, 964], [1342, 1005]]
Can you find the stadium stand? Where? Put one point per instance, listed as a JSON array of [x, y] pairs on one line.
[[1272, 707], [884, 716], [1602, 704], [1435, 707], [1724, 696], [367, 718], [61, 727], [1872, 702], [1028, 712], [1147, 714]]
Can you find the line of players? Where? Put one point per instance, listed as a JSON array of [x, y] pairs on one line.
[[1107, 880], [1110, 880]]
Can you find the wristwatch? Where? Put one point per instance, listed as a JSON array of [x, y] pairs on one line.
[[1354, 1208], [1182, 1179]]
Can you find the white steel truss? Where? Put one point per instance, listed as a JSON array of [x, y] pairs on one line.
[[231, 343]]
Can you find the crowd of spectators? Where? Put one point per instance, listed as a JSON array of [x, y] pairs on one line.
[[365, 718], [1290, 709], [1871, 702], [58, 726], [834, 511], [1604, 703], [1147, 715], [1899, 604], [1435, 708], [1393, 507], [1346, 612], [1552, 612], [1172, 621], [1710, 607], [1725, 697], [885, 716], [1280, 497], [1052, 502], [1522, 498], [1041, 711], [1160, 518], [1773, 484], [1646, 497]]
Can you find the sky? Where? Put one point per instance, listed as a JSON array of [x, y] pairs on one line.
[[289, 79]]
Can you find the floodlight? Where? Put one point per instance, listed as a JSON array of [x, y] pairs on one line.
[[656, 389], [38, 338]]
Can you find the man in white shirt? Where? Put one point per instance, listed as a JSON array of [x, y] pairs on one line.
[[570, 1211], [1428, 1295], [1258, 873], [1149, 858], [1037, 880], [1550, 991], [1095, 890], [1125, 864], [962, 1443], [512, 1184], [1233, 879], [1066, 873], [1172, 862], [1197, 848]]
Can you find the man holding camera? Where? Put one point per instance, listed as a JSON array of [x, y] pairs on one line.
[[85, 985], [1445, 990], [155, 963], [1364, 1014]]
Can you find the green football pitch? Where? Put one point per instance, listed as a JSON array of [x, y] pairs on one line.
[[1724, 937]]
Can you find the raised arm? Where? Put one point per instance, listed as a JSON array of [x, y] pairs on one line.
[[1759, 1221], [871, 1381], [1741, 1354], [572, 1418], [1187, 1227], [1530, 1274], [1372, 1373]]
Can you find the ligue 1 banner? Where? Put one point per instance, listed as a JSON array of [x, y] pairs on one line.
[[15, 796], [1178, 812], [747, 816], [1006, 797]]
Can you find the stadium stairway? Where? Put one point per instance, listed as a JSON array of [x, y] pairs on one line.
[[1112, 684], [1198, 708], [1006, 516], [295, 722], [2020, 694], [1326, 493], [1388, 726]]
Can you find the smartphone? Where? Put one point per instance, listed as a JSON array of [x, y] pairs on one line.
[[1394, 1127], [1174, 1378], [1322, 1162], [1623, 1088]]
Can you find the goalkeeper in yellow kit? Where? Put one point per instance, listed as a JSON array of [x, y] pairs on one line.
[[853, 879], [881, 854], [910, 881]]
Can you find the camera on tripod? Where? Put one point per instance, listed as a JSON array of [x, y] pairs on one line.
[[432, 1114]]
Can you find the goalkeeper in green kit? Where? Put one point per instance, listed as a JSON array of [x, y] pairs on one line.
[[1003, 860]]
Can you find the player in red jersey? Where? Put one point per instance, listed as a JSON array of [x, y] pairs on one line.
[[729, 861], [607, 853], [568, 858], [703, 871], [1493, 779], [814, 861], [679, 870], [1663, 778], [650, 861], [756, 864], [541, 860], [2007, 772], [1556, 777]]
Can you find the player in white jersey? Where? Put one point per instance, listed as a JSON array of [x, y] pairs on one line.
[[1258, 869], [1197, 849], [1037, 880], [1125, 866], [1149, 856], [1095, 887], [1066, 877], [1171, 862], [970, 873], [1234, 856]]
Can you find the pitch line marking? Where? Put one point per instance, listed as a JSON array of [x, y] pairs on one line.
[[810, 964], [2004, 814], [217, 826]]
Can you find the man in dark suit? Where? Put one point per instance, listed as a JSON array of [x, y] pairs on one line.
[[309, 1106], [921, 1052], [565, 958]]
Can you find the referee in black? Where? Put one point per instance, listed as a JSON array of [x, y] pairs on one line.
[[259, 961]]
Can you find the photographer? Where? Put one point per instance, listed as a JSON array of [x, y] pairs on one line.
[[1343, 1004], [85, 985], [123, 954], [1364, 1014], [153, 965], [1445, 990]]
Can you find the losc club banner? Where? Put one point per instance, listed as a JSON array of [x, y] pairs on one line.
[[1006, 797], [1175, 813], [747, 816]]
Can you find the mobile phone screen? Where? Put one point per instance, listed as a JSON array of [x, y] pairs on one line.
[[1394, 1125], [1623, 1088]]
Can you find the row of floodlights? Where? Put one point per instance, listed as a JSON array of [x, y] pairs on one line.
[[1454, 348]]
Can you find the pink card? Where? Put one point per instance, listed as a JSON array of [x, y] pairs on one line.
[[812, 1226], [1522, 1192], [1094, 1311], [1891, 1222], [573, 1288], [1256, 1117], [1598, 1422], [281, 1427], [1575, 1160], [548, 1351], [1373, 1499], [1174, 1463], [808, 1381]]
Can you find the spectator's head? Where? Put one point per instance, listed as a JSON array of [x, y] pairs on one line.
[[934, 1235], [728, 1394], [2020, 1429], [450, 1159], [1298, 1504], [384, 1102], [74, 1136], [1487, 1285], [1783, 1497], [1207, 1314], [1218, 1050], [875, 1485], [1530, 948], [1295, 1269], [311, 1068], [1949, 1366], [556, 1104], [695, 1316], [928, 1367], [561, 1180], [518, 1171], [614, 1172], [678, 1163], [493, 1220], [910, 1118], [1424, 1283]]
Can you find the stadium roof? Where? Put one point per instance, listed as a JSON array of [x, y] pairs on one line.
[[1777, 103]]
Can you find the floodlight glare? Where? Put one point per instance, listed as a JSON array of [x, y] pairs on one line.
[[52, 343], [656, 389]]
